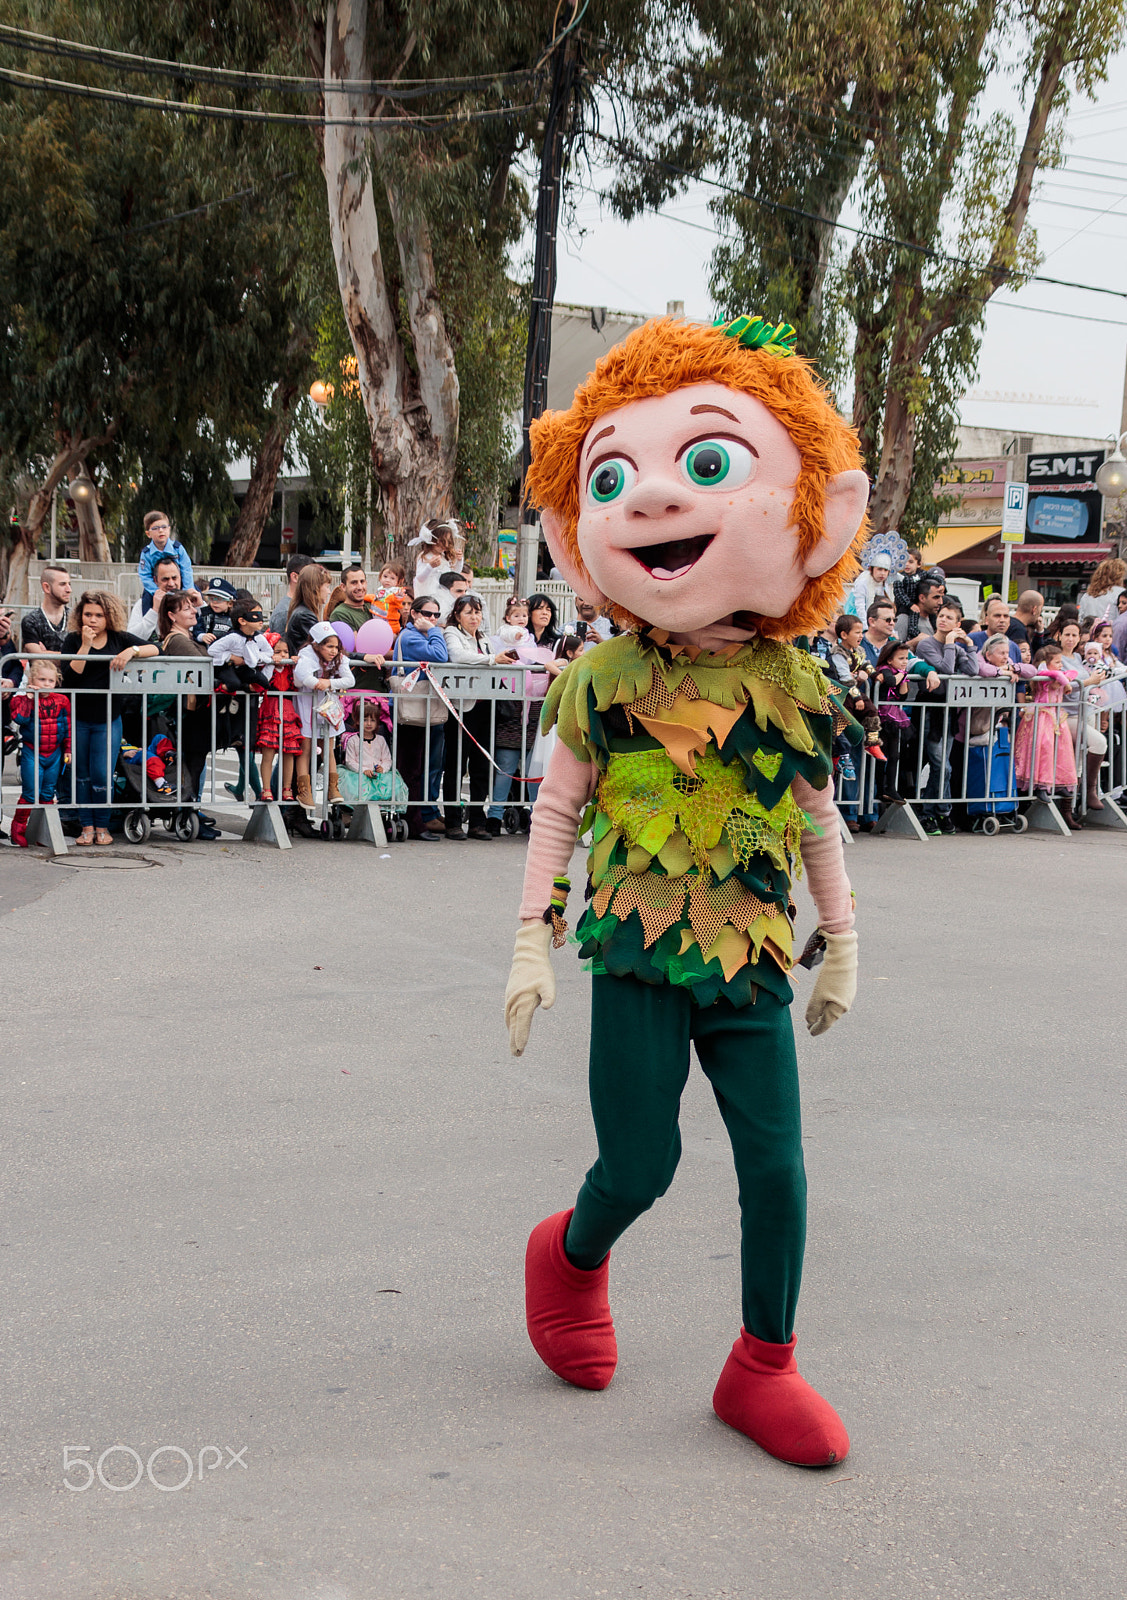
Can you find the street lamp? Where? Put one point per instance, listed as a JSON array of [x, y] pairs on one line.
[[81, 490], [320, 394], [1111, 479]]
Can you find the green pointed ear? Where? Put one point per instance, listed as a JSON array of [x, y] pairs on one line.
[[847, 498], [575, 573]]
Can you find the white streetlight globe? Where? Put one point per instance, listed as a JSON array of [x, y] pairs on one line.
[[82, 490], [1111, 478]]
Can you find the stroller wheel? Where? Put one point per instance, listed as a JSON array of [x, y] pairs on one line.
[[402, 832], [1021, 823], [991, 826], [326, 829], [136, 826], [169, 821], [186, 825]]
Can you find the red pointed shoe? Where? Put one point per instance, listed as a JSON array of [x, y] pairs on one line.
[[567, 1311], [761, 1393]]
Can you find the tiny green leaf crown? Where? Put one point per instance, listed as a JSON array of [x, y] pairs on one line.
[[777, 339]]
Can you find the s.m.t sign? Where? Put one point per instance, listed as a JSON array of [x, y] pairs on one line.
[[1075, 467]]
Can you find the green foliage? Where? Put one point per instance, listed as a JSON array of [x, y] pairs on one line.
[[162, 337]]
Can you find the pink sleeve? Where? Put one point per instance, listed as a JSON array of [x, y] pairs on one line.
[[824, 859], [567, 787]]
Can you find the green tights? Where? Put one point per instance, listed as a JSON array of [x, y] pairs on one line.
[[640, 1036]]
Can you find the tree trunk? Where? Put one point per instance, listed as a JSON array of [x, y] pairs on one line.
[[67, 457], [412, 414], [247, 533], [894, 479]]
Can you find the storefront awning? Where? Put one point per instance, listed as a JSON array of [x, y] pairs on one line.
[[1070, 555], [946, 543]]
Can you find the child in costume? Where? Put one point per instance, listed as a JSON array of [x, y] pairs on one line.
[[1044, 756], [43, 718], [278, 744], [702, 485]]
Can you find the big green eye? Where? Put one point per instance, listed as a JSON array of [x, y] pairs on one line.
[[712, 463], [609, 480]]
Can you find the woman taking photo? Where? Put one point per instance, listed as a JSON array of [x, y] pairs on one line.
[[100, 643], [192, 734], [467, 646]]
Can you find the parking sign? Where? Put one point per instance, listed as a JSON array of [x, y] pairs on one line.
[[1013, 513]]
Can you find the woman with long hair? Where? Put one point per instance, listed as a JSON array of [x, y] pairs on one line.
[[101, 644], [176, 617], [307, 606], [1104, 588]]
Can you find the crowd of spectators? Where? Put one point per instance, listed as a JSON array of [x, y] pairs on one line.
[[295, 690], [292, 689], [890, 663]]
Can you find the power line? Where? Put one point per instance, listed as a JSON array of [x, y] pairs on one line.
[[1006, 305], [80, 91], [845, 227], [233, 78]]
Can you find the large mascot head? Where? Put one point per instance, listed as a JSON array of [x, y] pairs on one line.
[[703, 476]]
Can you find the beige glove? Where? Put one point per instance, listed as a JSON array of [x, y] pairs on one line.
[[531, 982], [836, 986]]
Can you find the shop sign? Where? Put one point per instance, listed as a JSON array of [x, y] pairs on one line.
[[1072, 468]]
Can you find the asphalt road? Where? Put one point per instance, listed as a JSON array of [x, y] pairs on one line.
[[268, 1170]]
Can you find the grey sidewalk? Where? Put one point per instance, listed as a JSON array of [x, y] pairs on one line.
[[268, 1170]]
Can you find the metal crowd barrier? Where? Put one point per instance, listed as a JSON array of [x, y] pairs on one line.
[[161, 691], [973, 754]]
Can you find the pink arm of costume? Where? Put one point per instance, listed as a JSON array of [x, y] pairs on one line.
[[824, 860], [567, 787]]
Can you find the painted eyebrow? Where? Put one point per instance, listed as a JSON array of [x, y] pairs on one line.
[[599, 436], [695, 411]]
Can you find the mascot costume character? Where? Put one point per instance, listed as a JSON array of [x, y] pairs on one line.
[[704, 490]]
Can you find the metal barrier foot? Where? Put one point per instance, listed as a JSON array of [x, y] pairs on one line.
[[1111, 815], [45, 827], [367, 826], [1044, 814], [846, 836], [901, 819], [267, 826]]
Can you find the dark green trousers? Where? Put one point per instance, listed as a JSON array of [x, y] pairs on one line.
[[640, 1037]]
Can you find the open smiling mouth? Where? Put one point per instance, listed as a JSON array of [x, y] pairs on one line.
[[673, 559]]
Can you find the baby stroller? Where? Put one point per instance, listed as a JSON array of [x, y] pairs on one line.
[[148, 777], [386, 789], [988, 774]]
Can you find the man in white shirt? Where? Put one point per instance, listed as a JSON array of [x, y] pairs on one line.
[[143, 624]]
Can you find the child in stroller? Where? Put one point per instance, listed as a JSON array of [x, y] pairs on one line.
[[148, 776]]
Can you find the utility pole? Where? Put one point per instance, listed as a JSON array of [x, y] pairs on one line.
[[559, 129]]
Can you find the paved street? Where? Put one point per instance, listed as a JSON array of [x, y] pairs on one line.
[[268, 1171]]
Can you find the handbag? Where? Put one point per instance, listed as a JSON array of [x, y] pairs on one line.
[[417, 706]]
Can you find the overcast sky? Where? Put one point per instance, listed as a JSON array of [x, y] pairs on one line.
[[1031, 361]]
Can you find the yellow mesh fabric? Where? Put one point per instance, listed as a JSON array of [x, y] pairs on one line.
[[712, 907], [647, 798]]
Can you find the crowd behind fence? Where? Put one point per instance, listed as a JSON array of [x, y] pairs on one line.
[[165, 728]]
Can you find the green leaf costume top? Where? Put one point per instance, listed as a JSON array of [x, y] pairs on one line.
[[694, 829]]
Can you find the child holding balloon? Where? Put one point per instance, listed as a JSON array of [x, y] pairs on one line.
[[321, 672]]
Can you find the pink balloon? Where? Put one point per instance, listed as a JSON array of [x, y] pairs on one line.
[[375, 637], [346, 636]]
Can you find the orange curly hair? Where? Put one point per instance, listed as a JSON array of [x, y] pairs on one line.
[[667, 354]]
